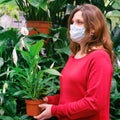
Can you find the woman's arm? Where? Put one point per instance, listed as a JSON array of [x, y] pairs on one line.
[[53, 99]]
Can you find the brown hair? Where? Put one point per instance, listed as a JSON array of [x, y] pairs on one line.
[[94, 21]]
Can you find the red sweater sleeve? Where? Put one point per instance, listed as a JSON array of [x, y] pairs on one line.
[[53, 99], [97, 93]]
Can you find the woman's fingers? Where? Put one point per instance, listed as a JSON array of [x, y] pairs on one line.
[[46, 113], [42, 106]]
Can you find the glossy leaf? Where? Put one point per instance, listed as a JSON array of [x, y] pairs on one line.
[[35, 48], [39, 4], [52, 71]]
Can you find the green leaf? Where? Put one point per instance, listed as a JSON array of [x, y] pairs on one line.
[[63, 50], [19, 93], [19, 72], [39, 4], [116, 4], [5, 73], [2, 46], [6, 118], [6, 1], [26, 56], [52, 71], [115, 35], [35, 48], [11, 106]]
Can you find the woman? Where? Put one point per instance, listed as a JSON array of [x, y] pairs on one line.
[[86, 78]]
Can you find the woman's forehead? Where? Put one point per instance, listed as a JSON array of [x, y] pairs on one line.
[[78, 16]]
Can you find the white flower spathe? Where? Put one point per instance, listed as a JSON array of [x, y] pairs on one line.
[[39, 67], [1, 62], [6, 21], [24, 31], [118, 62], [22, 44], [1, 112], [5, 86], [8, 70], [52, 65], [1, 97], [56, 36], [15, 57]]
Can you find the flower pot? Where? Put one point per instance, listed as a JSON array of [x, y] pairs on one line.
[[39, 27], [32, 108]]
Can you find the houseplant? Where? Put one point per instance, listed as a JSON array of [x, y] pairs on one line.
[[35, 22], [12, 102], [34, 81], [40, 12]]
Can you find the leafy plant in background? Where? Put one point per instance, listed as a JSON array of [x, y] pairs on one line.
[[113, 17], [42, 10], [8, 103], [8, 39], [34, 10], [9, 9], [58, 47], [115, 95], [115, 92]]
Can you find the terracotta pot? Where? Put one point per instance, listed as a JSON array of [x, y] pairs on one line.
[[40, 26], [32, 108]]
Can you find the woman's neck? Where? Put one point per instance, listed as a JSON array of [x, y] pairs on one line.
[[81, 54]]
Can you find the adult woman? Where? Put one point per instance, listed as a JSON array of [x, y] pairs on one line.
[[86, 78]]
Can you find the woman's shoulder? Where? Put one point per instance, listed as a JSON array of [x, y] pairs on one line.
[[99, 54]]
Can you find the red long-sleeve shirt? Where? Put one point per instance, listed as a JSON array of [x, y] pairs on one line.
[[84, 88]]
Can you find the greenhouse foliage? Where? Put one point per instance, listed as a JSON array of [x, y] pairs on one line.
[[12, 105]]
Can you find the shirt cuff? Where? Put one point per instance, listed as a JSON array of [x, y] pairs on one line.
[[54, 110]]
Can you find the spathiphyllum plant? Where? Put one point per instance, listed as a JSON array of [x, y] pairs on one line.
[[34, 78], [38, 10]]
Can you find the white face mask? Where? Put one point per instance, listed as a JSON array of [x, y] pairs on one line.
[[76, 33]]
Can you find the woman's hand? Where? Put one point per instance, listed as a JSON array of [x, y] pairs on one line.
[[46, 112]]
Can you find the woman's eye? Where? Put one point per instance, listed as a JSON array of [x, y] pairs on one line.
[[79, 22]]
